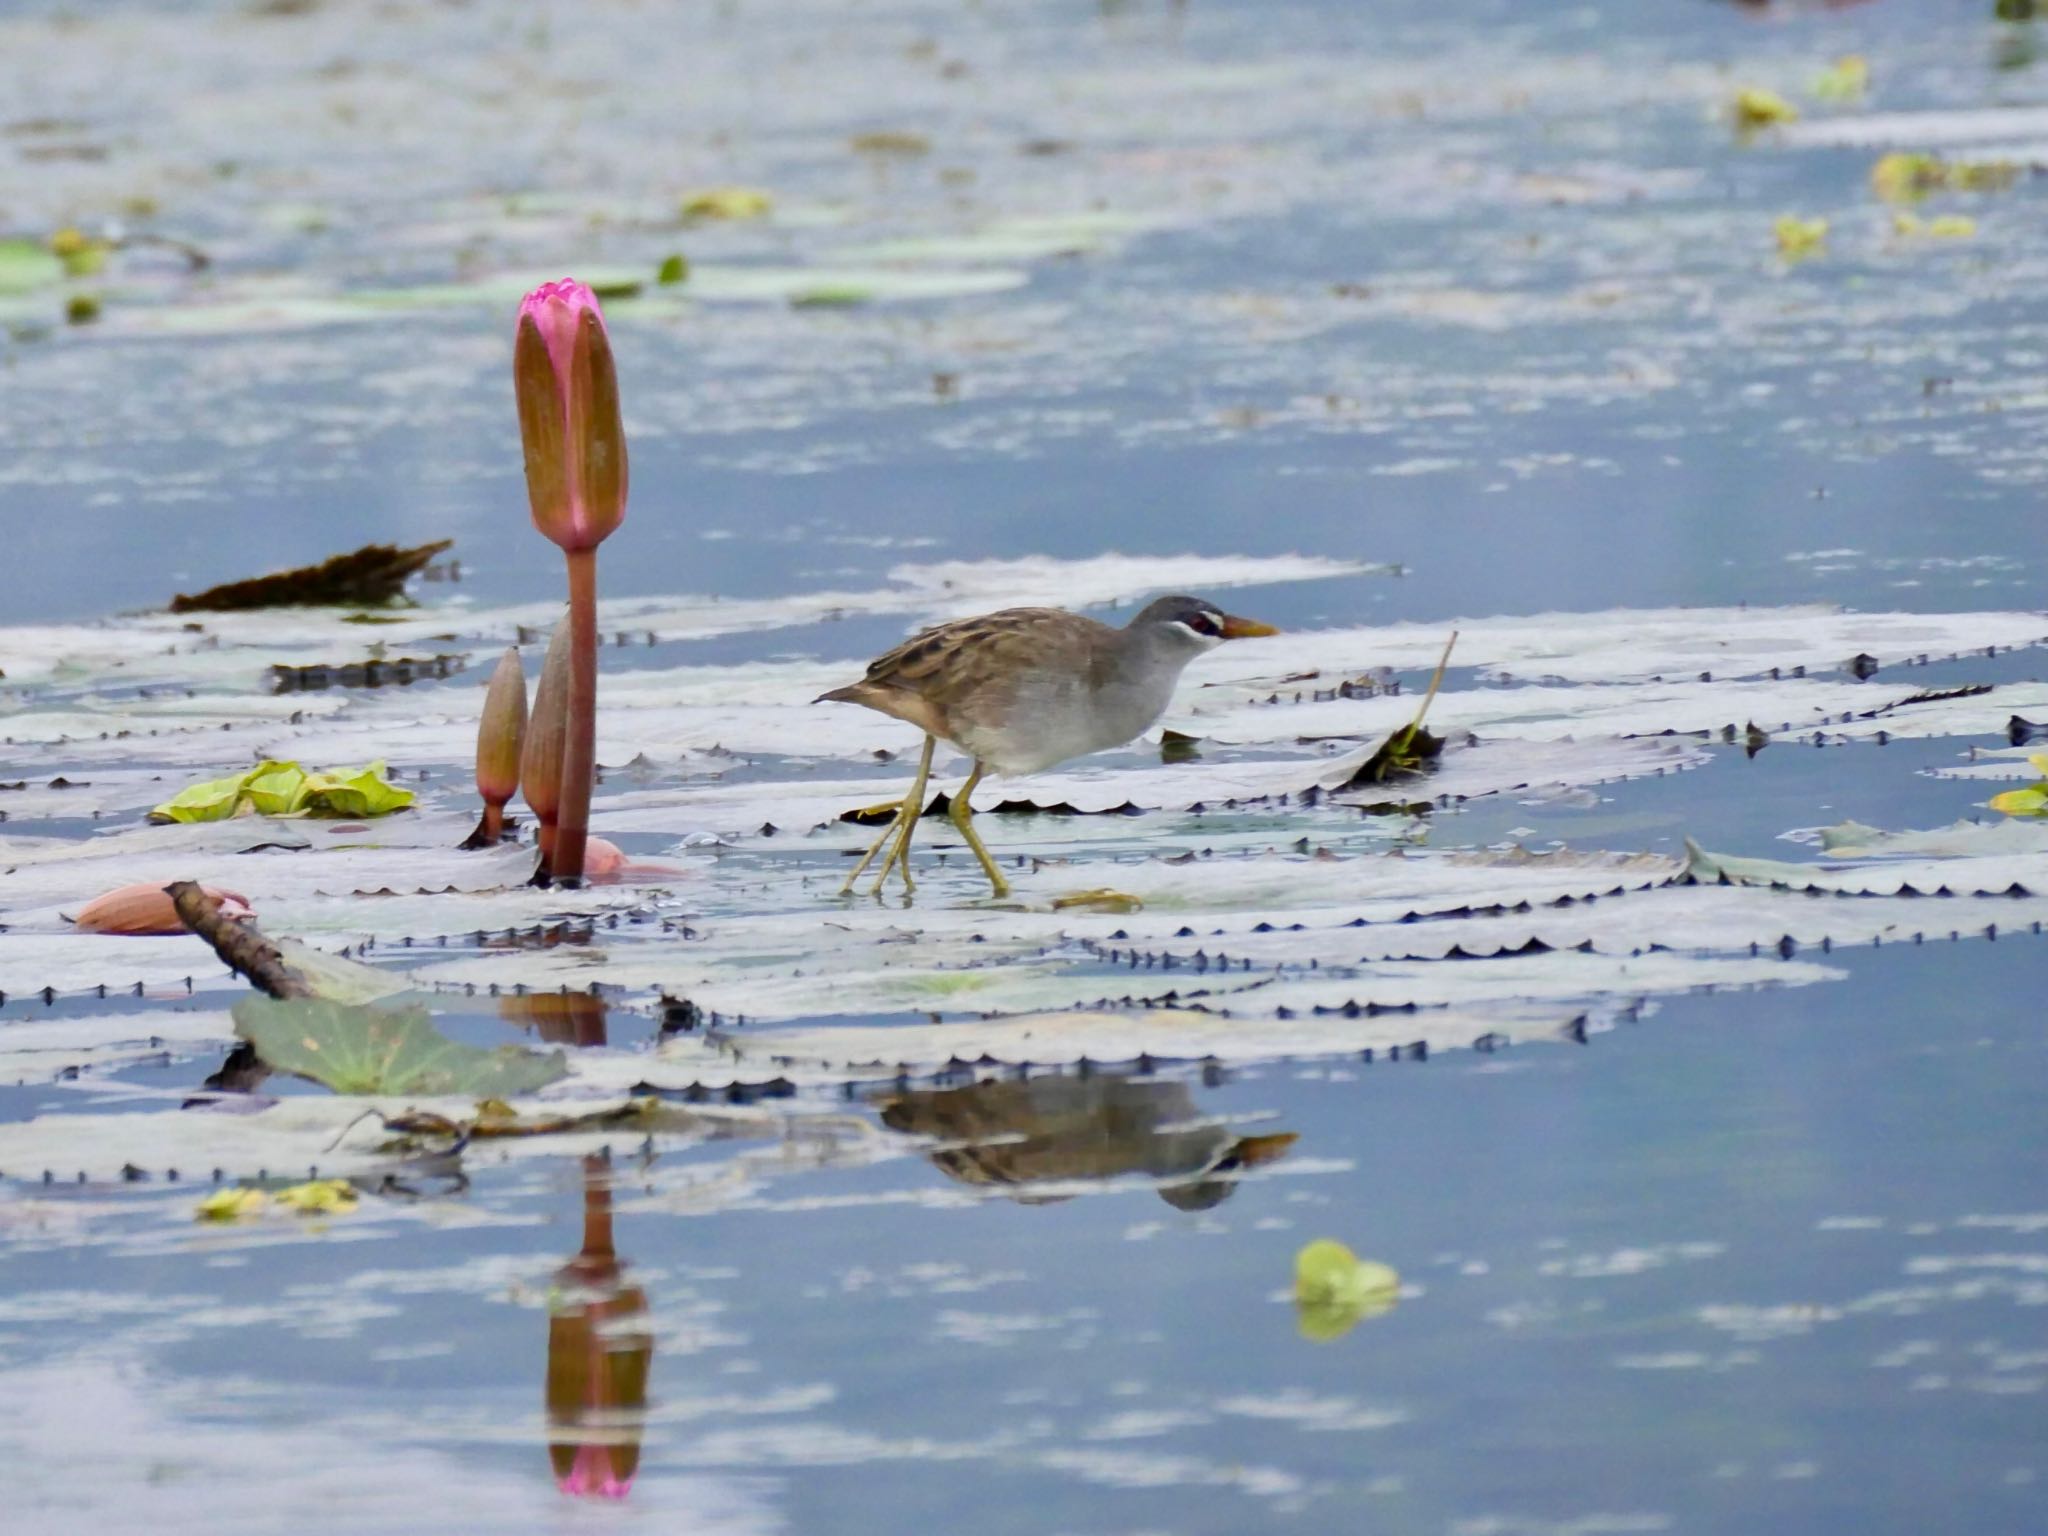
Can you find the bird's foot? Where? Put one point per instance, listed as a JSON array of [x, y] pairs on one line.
[[895, 829], [898, 857], [874, 815]]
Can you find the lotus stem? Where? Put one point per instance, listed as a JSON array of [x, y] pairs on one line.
[[579, 748]]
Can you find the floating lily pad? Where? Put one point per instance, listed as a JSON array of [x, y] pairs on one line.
[[827, 286], [1006, 241]]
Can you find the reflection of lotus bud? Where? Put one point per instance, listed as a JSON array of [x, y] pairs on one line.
[[540, 764], [569, 416], [559, 1018], [599, 1353], [499, 736]]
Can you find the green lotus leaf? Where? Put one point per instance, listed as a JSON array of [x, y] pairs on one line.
[[357, 1048]]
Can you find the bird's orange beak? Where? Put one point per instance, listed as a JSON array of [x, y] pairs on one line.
[[1235, 628]]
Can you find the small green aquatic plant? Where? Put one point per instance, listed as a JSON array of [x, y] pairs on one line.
[[1334, 1289]]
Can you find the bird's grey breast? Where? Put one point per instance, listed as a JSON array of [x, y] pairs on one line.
[[1040, 716]]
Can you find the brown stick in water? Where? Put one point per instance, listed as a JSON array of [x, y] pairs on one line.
[[240, 945]]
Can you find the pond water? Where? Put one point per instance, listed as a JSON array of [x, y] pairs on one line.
[[1483, 292]]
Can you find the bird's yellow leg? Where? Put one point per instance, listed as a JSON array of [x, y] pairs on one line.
[[912, 806], [906, 824], [962, 813]]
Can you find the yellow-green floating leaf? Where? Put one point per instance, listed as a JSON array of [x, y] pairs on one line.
[[275, 788]]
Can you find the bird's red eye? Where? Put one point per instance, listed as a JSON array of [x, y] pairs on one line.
[[1202, 624]]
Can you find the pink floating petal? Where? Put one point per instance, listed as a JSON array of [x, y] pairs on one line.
[[136, 910]]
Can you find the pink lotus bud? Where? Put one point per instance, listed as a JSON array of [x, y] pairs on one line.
[[569, 415], [147, 909]]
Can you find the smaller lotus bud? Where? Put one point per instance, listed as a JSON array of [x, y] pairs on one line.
[[147, 909], [501, 731], [499, 736], [547, 732]]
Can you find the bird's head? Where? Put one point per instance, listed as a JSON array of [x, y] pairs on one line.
[[1195, 624]]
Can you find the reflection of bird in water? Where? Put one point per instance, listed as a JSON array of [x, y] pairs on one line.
[[598, 1356], [1050, 1129]]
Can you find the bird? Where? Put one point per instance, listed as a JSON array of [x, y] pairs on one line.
[[1024, 689]]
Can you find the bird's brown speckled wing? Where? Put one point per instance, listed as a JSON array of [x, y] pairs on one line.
[[969, 669]]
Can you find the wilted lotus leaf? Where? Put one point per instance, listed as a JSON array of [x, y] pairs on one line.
[[2030, 801], [1800, 238], [372, 575], [1334, 1289], [1755, 109], [231, 1204], [358, 1049], [1900, 178], [286, 789], [317, 1197]]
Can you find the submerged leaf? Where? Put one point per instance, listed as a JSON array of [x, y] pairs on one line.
[[354, 1048], [831, 296], [726, 203], [1949, 226], [1844, 80], [889, 141]]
